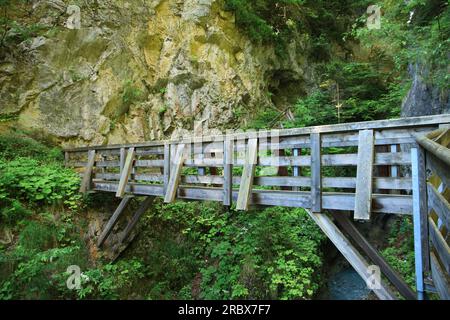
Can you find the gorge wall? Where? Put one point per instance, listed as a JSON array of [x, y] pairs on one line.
[[140, 70]]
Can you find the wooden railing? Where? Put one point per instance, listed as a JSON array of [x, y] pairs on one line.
[[434, 155], [339, 167], [364, 168]]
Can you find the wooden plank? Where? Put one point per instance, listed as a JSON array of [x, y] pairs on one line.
[[316, 173], [122, 157], [327, 182], [126, 172], [296, 169], [134, 220], [419, 211], [228, 172], [382, 203], [166, 166], [436, 149], [374, 256], [113, 221], [420, 202], [87, 176], [364, 174], [248, 174], [439, 204], [355, 259], [440, 278], [441, 246], [149, 163], [175, 174], [439, 168]]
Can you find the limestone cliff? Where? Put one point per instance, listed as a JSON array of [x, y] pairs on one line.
[[140, 70]]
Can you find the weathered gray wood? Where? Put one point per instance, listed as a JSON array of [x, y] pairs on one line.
[[113, 221], [374, 256], [166, 166], [175, 174], [438, 150], [296, 169], [134, 220], [149, 163], [438, 167], [439, 204], [228, 172], [440, 278], [87, 176], [316, 173], [356, 260], [382, 203], [420, 203], [248, 174], [364, 174], [122, 158], [441, 246], [126, 172]]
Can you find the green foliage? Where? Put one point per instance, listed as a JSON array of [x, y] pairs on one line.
[[421, 38], [400, 253], [276, 22], [27, 180], [201, 251], [107, 281], [131, 93], [15, 23], [36, 275], [17, 145]]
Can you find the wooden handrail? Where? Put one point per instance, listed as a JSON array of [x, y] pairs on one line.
[[435, 148]]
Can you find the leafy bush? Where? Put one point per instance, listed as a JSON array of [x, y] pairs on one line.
[[27, 180], [273, 253], [17, 145]]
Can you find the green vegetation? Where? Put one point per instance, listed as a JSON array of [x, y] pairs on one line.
[[199, 250]]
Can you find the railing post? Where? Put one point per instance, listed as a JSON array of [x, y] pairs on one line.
[[166, 166], [296, 169], [228, 150], [420, 217], [316, 173]]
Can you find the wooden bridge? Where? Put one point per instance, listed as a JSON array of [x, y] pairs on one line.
[[390, 166]]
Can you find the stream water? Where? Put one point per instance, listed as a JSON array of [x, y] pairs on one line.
[[346, 284]]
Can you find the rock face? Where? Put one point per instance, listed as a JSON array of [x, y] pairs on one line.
[[141, 70], [424, 99]]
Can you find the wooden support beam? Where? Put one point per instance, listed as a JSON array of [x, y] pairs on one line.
[[363, 198], [420, 217], [228, 172], [356, 260], [113, 221], [140, 211], [438, 150], [440, 245], [440, 278], [245, 189], [373, 254], [296, 169], [123, 156], [126, 172], [316, 173], [439, 204], [175, 174], [166, 166], [87, 176]]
